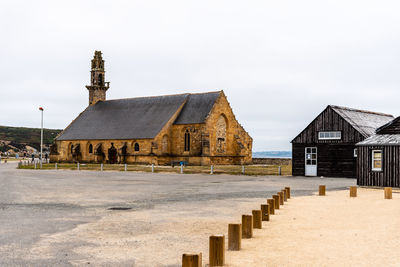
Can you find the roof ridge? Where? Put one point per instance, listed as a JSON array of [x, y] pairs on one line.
[[361, 111], [154, 96]]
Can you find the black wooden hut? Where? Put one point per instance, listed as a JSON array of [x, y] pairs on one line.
[[378, 162], [327, 146]]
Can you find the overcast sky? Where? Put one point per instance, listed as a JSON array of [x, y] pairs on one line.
[[280, 63]]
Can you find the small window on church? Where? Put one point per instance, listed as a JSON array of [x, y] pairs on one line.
[[137, 148], [90, 149], [187, 141], [72, 149], [100, 79]]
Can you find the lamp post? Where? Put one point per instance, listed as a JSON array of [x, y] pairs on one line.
[[41, 137]]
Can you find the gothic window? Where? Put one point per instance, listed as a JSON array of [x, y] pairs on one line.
[[137, 148], [187, 140], [90, 149], [165, 144], [72, 149], [221, 134]]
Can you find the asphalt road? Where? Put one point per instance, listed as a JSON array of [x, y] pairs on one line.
[[38, 204]]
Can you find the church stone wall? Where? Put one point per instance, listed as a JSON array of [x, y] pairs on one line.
[[237, 146]]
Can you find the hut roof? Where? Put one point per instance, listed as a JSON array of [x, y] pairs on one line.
[[381, 139], [138, 118], [365, 122]]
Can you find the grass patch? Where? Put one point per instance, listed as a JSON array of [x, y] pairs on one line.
[[286, 170]]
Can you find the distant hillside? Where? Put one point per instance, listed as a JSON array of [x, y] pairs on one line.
[[21, 136], [273, 154]]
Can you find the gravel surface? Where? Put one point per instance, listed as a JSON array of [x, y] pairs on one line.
[[66, 218]]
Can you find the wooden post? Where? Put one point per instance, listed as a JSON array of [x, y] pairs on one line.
[[78, 166], [271, 203], [284, 195], [101, 167], [217, 250], [243, 169], [125, 167], [257, 219], [152, 167], [322, 189], [192, 260], [281, 197], [288, 191], [280, 171], [247, 226], [234, 236], [353, 191], [265, 212], [277, 201], [388, 193]]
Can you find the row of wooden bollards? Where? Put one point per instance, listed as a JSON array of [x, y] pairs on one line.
[[353, 191], [237, 232]]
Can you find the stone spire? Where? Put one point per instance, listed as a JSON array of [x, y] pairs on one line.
[[98, 87]]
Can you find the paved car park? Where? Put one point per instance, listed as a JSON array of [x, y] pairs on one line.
[[46, 217]]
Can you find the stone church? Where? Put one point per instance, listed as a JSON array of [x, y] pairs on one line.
[[199, 129]]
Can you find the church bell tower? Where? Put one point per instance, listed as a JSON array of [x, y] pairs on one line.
[[98, 87]]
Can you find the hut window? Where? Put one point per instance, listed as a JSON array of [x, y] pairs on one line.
[[187, 141], [137, 148], [330, 135], [90, 149], [355, 152], [377, 160]]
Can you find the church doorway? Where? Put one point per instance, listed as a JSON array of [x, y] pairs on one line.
[[112, 154]]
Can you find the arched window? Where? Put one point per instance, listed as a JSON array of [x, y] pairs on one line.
[[187, 140], [72, 149], [90, 149], [221, 134], [137, 148]]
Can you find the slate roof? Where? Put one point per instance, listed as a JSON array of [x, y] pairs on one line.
[[137, 118], [381, 139], [365, 122], [197, 108]]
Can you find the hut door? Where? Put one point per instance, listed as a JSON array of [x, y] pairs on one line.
[[311, 161]]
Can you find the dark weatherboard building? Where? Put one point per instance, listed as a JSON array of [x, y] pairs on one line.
[[378, 162], [327, 146]]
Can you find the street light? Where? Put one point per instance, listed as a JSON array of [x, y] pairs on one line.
[[41, 137]]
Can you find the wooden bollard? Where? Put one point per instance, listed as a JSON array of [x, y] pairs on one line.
[[284, 195], [217, 250], [234, 236], [257, 219], [288, 191], [322, 189], [281, 197], [192, 260], [388, 193], [271, 204], [353, 191], [277, 201], [247, 226], [265, 212]]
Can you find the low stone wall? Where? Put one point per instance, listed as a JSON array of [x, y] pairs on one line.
[[272, 161]]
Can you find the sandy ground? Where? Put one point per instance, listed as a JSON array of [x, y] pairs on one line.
[[334, 230]]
